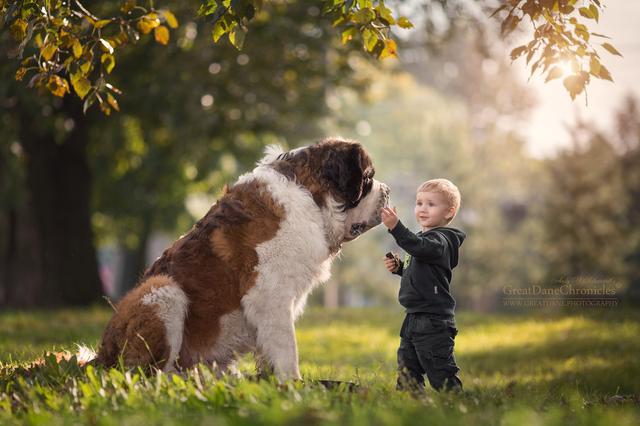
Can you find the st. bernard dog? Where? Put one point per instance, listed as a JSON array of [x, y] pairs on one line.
[[241, 276]]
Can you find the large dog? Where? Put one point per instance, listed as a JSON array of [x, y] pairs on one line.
[[241, 276]]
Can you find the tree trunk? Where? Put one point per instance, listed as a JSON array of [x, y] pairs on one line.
[[134, 261], [59, 185]]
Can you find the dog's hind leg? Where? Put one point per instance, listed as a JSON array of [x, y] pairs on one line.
[[148, 326], [171, 306]]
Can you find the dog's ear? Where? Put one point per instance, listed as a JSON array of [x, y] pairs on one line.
[[344, 170]]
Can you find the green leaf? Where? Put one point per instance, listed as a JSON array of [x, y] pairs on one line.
[[611, 49], [385, 13], [369, 38], [364, 16], [88, 102], [348, 34], [236, 37]]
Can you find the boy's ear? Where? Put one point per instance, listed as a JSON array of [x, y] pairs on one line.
[[452, 211]]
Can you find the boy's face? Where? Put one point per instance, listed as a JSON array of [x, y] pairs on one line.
[[432, 210]]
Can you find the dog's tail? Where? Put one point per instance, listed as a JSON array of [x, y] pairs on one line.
[[85, 355]]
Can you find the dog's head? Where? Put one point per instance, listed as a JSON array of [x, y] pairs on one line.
[[339, 175], [348, 172]]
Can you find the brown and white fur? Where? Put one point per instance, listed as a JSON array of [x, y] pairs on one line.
[[239, 279]]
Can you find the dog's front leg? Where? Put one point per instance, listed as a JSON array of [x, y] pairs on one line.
[[275, 334]]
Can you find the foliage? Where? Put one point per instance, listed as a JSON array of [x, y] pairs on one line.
[[543, 367], [69, 46], [562, 42]]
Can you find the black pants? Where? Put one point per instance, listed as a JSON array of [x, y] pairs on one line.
[[426, 347]]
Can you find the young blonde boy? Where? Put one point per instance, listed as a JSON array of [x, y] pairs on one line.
[[429, 328]]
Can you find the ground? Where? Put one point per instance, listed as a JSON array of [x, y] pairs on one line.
[[531, 367]]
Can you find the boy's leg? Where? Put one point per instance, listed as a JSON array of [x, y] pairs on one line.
[[435, 353], [410, 371]]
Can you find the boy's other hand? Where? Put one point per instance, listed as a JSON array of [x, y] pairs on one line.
[[389, 217], [391, 264]]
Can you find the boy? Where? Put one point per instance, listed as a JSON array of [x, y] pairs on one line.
[[429, 329]]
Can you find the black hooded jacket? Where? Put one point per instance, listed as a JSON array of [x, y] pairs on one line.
[[426, 270]]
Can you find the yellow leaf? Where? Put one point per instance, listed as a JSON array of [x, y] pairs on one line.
[[170, 18], [611, 49], [594, 66], [218, 30], [20, 73], [108, 61], [148, 22], [128, 6], [105, 108], [85, 68], [161, 34], [57, 85], [113, 102], [19, 29], [102, 23], [48, 51], [390, 50], [80, 84], [404, 22], [77, 48], [555, 72]]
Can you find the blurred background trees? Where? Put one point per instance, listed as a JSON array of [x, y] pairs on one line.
[[86, 201]]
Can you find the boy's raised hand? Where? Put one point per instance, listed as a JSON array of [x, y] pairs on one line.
[[389, 217]]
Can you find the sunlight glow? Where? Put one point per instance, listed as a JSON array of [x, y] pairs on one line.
[[566, 68]]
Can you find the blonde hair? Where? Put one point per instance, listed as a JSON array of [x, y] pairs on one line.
[[448, 189]]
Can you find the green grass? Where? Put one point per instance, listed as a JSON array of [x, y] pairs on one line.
[[535, 367]]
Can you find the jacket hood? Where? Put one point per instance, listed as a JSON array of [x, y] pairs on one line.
[[455, 237]]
